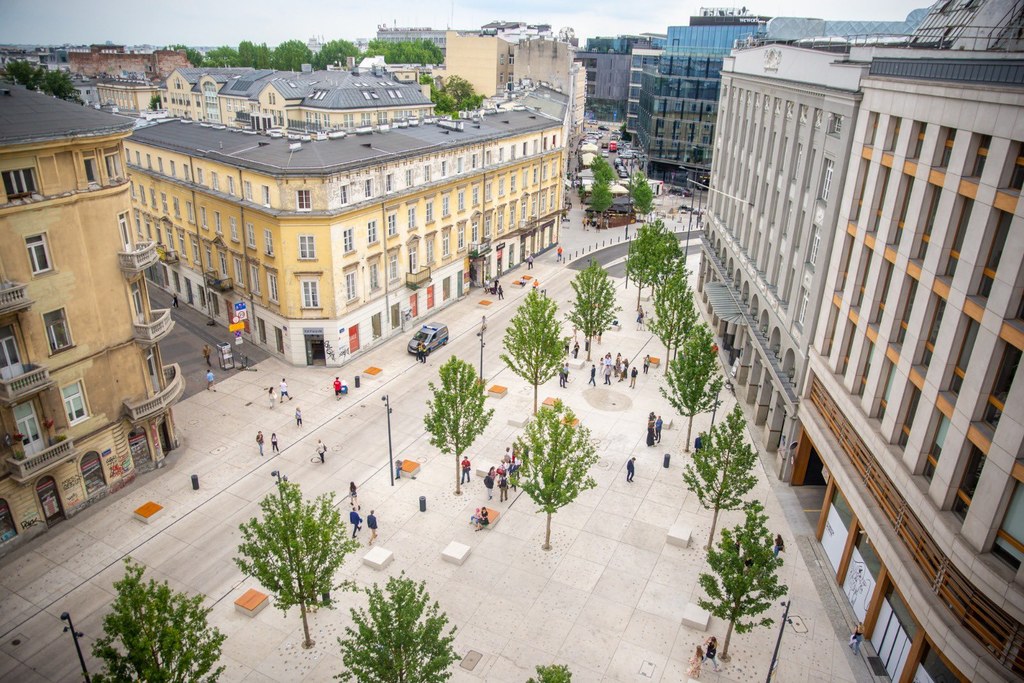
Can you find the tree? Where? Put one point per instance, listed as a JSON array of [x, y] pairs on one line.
[[743, 582], [296, 549], [59, 84], [291, 55], [154, 101], [534, 348], [557, 455], [155, 634], [405, 52], [456, 415], [600, 198], [626, 135], [692, 378], [641, 193], [594, 309], [23, 73], [554, 673], [194, 56], [674, 311], [462, 92], [602, 170], [401, 639], [653, 254], [257, 56], [334, 52], [722, 470], [222, 56]]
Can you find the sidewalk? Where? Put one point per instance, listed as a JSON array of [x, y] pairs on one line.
[[606, 600]]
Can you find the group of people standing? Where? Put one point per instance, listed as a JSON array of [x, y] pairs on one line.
[[654, 425]]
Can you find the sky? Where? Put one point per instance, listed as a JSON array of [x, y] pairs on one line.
[[227, 23]]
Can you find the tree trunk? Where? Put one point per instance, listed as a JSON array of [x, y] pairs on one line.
[[728, 637], [714, 523], [308, 642], [547, 535], [534, 399], [668, 357], [590, 346], [689, 427], [458, 475], [639, 292]]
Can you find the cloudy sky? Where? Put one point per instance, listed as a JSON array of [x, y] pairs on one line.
[[272, 21]]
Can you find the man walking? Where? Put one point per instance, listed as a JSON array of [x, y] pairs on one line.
[[647, 363], [209, 380], [657, 429], [259, 442], [593, 374], [273, 443], [466, 469], [501, 293], [298, 417], [529, 262], [357, 521], [632, 377], [489, 485], [607, 373], [174, 300], [630, 469], [371, 522], [284, 390], [206, 354], [559, 259], [321, 450], [337, 388], [503, 488]]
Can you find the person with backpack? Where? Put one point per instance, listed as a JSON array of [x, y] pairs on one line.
[[503, 488], [489, 484]]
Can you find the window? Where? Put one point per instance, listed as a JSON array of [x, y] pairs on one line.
[[303, 201], [233, 225], [254, 277], [445, 201], [215, 181], [389, 182], [74, 403], [344, 194], [476, 196], [92, 472], [113, 163], [1015, 179], [917, 140], [408, 177], [216, 223], [411, 216], [929, 221], [980, 155], [430, 212], [272, 286], [199, 173], [814, 246], [512, 183], [374, 277], [1001, 386], [38, 254], [889, 372], [310, 294], [392, 225], [802, 310], [190, 211], [501, 187], [239, 277], [202, 217], [908, 303], [430, 251], [90, 170], [371, 232], [266, 196], [958, 237], [995, 252], [152, 197], [149, 163], [426, 174], [826, 180], [414, 260], [1009, 543], [350, 285], [908, 419], [231, 186], [307, 247], [462, 200], [968, 482], [368, 188], [446, 244], [444, 169], [393, 267], [57, 333], [869, 354], [948, 135], [248, 190], [177, 207], [462, 237], [349, 241]]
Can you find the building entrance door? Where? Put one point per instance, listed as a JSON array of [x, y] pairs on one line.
[[28, 426], [46, 489]]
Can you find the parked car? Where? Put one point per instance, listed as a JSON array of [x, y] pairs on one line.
[[433, 335]]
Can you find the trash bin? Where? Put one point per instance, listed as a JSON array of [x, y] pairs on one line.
[[195, 482], [357, 381], [423, 503], [668, 456]]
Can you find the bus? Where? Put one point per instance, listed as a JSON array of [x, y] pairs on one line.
[[613, 146]]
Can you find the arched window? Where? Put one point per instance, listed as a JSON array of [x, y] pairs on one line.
[[92, 473], [7, 528]]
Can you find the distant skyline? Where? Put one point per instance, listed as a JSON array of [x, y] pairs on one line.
[[209, 23]]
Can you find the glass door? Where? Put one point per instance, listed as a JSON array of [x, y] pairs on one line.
[[10, 361], [46, 489], [893, 634], [28, 426]]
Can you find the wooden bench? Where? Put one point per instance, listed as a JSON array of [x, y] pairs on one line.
[[655, 361], [372, 371], [456, 552], [679, 535], [485, 302], [520, 283], [378, 557], [497, 391], [526, 277], [492, 516], [251, 602], [695, 617], [550, 401], [148, 512], [410, 467], [574, 423]]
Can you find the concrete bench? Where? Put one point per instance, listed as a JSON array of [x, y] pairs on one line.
[[251, 602], [667, 424], [518, 421], [577, 364], [410, 467], [679, 535], [378, 558], [694, 617], [372, 372], [549, 402], [497, 391], [485, 302], [456, 552], [492, 516], [148, 512]]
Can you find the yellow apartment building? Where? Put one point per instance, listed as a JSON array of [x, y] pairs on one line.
[[319, 101], [85, 398], [127, 96], [336, 245], [487, 62]]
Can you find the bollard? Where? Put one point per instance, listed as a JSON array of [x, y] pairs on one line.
[[423, 503], [668, 456], [357, 381], [195, 482]]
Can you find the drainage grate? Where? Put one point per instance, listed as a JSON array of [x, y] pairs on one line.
[[798, 624], [877, 667], [647, 669], [471, 659]]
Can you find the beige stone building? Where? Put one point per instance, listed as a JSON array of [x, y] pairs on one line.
[[128, 96], [487, 62], [85, 396], [544, 60]]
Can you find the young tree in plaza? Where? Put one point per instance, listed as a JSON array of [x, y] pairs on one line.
[[594, 309], [743, 581], [557, 455], [534, 348], [674, 311], [721, 473], [641, 193], [401, 638], [552, 673], [692, 379], [156, 634], [602, 170], [653, 254], [456, 415], [296, 549]]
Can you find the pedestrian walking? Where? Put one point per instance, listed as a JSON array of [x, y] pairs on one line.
[[576, 350], [206, 354], [608, 374], [356, 520], [779, 546], [711, 651], [501, 293], [630, 469], [632, 377], [353, 495], [696, 661], [650, 432], [421, 352], [284, 390], [273, 443], [298, 416], [559, 259], [593, 374], [371, 524], [271, 398], [209, 380], [489, 484], [174, 300], [647, 363], [337, 388], [658, 424], [398, 469], [640, 319], [321, 450], [856, 638], [259, 442], [467, 467], [503, 488], [529, 262], [625, 369], [563, 376]]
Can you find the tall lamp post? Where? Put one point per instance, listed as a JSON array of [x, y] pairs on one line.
[[280, 478], [391, 456], [483, 328], [778, 642], [75, 635]]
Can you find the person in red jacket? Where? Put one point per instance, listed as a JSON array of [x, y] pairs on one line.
[[337, 388], [466, 468]]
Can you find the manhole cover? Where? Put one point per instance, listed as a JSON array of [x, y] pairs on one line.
[[798, 624], [218, 450], [471, 659], [603, 464], [16, 642], [647, 669]]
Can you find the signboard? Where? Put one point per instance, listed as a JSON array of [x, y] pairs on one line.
[[238, 341], [238, 334], [239, 305], [242, 314], [236, 328]]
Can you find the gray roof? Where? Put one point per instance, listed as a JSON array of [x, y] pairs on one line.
[[547, 100], [27, 116], [326, 157]]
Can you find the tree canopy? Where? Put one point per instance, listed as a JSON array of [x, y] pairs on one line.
[[291, 55], [552, 673], [194, 56], [257, 56], [692, 379], [406, 52], [594, 308], [534, 348], [674, 311], [55, 83], [653, 254], [641, 193], [225, 55], [334, 52]]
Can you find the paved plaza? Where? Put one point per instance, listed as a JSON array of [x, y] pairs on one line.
[[607, 599]]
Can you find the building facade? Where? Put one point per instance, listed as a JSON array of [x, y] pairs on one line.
[[337, 245], [85, 398], [544, 60], [128, 96], [607, 61], [486, 61], [641, 60], [404, 34], [114, 60]]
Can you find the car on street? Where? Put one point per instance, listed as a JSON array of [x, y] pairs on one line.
[[602, 128]]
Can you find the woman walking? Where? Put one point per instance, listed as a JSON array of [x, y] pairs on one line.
[[711, 651], [273, 443], [353, 495], [271, 397], [696, 661]]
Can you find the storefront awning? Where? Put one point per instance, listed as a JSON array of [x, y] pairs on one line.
[[721, 301]]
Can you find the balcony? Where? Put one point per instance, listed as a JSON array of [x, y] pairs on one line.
[[22, 471], [33, 379], [174, 386], [156, 329], [13, 298], [221, 284], [143, 256], [418, 279], [167, 255]]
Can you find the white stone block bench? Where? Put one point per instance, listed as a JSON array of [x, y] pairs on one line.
[[695, 617], [378, 558], [456, 552], [518, 421], [679, 535]]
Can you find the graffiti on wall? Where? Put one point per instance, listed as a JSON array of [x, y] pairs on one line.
[[71, 491], [119, 465]]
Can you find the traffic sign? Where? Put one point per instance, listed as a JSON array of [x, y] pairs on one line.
[[239, 305], [242, 314], [238, 334], [236, 328], [238, 341], [234, 319]]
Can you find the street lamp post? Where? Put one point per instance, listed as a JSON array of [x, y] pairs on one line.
[[280, 478], [778, 642], [483, 328], [75, 635], [391, 456], [715, 409]]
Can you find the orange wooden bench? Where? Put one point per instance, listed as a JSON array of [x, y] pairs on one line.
[[486, 302], [574, 423], [655, 361], [492, 517], [372, 371], [251, 602], [410, 467], [549, 401], [497, 391], [148, 512], [526, 277]]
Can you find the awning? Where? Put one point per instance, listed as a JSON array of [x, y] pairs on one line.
[[724, 306]]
